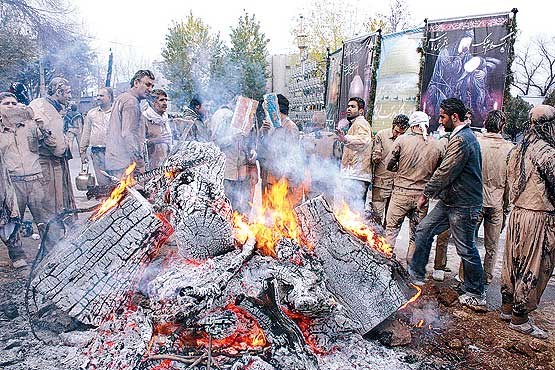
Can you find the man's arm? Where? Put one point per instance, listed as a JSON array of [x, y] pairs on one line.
[[450, 168], [360, 140], [131, 132], [85, 136], [542, 156], [392, 159], [377, 150]]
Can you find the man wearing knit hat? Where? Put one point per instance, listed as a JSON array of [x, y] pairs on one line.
[[530, 245], [414, 158], [458, 184]]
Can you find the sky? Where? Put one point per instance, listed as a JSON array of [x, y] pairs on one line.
[[135, 29]]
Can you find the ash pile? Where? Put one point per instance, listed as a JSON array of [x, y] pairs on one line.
[[169, 277]]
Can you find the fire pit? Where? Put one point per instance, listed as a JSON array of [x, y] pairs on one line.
[[289, 289]]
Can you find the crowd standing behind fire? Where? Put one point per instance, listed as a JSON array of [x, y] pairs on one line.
[[474, 176]]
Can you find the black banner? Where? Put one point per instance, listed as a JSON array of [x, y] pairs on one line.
[[333, 88], [465, 59], [356, 71]]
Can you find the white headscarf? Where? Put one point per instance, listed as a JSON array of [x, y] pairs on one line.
[[421, 120]]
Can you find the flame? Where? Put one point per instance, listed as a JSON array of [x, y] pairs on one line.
[[414, 298], [305, 323], [274, 220], [353, 222], [419, 324], [117, 194]]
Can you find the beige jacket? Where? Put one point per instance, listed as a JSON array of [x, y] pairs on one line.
[[414, 161], [125, 134], [534, 196], [19, 148], [495, 154], [356, 162], [54, 124], [383, 142], [94, 129]]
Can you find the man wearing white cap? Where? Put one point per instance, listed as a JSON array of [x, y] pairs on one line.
[[414, 158]]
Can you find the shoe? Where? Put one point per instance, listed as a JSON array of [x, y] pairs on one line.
[[20, 263], [530, 329], [473, 302], [418, 281], [438, 275], [505, 316]]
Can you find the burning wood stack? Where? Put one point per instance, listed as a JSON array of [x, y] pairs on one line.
[[290, 289]]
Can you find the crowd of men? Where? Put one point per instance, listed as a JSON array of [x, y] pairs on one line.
[[476, 177]]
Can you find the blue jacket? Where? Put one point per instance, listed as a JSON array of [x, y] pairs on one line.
[[458, 179]]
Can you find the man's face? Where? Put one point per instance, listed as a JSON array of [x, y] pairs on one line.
[[446, 121], [6, 104], [63, 95], [144, 87], [352, 109], [102, 97], [468, 118], [160, 105], [398, 131]]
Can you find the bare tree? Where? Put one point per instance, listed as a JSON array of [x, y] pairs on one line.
[[535, 67]]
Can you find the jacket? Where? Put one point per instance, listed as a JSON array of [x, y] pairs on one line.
[[495, 153], [458, 180], [53, 123], [356, 162]]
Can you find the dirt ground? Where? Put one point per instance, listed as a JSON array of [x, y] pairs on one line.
[[443, 334]]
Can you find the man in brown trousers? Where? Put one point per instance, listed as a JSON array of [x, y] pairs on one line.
[[414, 158], [530, 246], [495, 152], [382, 183], [54, 158]]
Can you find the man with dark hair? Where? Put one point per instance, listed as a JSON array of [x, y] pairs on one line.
[[495, 153], [530, 245], [94, 134], [383, 179], [54, 158], [356, 162], [458, 184], [125, 136], [157, 128], [282, 152], [197, 129]]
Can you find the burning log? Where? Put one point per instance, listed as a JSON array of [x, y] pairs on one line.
[[369, 286], [89, 274]]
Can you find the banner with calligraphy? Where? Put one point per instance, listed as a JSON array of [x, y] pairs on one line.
[[333, 87], [397, 77], [466, 59], [356, 70]]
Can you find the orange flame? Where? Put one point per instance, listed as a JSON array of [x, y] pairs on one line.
[[117, 194], [414, 298], [305, 323], [273, 221], [352, 221], [419, 324]]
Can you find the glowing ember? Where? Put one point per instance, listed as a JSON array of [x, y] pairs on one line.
[[353, 222], [414, 298], [126, 180], [304, 323], [419, 324], [273, 221]]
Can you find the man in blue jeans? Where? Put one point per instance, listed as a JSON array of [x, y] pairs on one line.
[[458, 184]]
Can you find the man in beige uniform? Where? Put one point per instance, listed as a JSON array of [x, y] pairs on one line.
[[157, 128], [495, 151], [382, 184], [356, 162], [414, 158], [125, 135], [530, 246], [94, 134], [54, 159]]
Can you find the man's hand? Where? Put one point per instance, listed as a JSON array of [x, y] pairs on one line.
[[266, 127], [340, 136], [422, 200], [377, 155]]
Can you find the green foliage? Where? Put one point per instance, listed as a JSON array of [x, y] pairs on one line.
[[248, 56], [187, 59], [516, 110]]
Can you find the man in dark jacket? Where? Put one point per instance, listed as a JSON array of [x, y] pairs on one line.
[[458, 184]]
